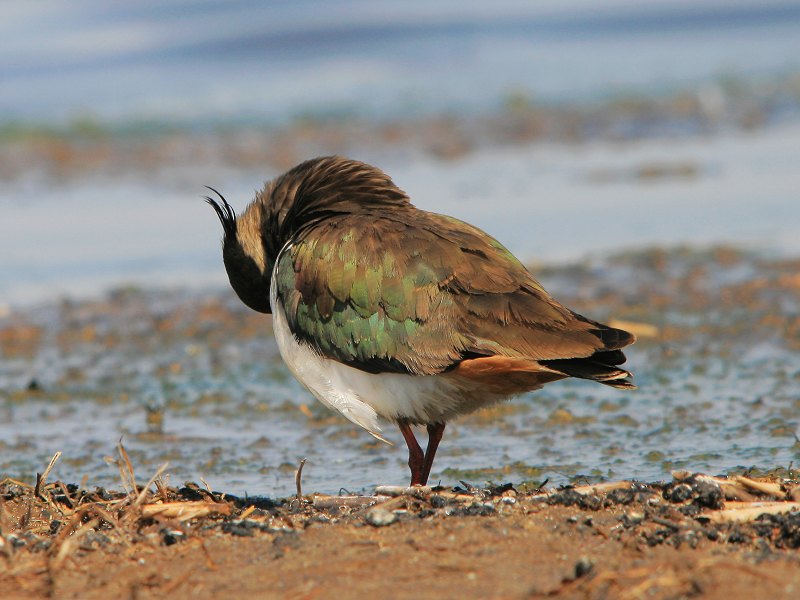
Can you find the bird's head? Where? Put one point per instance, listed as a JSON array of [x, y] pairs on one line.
[[243, 250], [287, 208]]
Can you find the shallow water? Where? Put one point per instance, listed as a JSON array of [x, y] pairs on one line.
[[124, 71], [546, 202], [718, 388], [248, 60]]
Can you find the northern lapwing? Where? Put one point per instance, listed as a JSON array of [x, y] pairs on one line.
[[382, 309]]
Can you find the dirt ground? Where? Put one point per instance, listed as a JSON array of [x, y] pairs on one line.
[[695, 537]]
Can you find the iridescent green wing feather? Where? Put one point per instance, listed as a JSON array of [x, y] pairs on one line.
[[416, 293]]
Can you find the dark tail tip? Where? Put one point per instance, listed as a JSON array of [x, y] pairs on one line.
[[590, 368]]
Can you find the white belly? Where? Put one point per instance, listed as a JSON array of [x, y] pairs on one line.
[[362, 396]]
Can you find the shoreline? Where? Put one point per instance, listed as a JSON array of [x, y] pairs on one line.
[[87, 146]]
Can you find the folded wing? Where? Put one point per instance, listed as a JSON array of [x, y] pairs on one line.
[[421, 293]]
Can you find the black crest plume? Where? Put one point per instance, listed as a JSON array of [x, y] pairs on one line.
[[225, 212]]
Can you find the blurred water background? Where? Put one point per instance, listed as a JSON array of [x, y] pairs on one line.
[[570, 132]]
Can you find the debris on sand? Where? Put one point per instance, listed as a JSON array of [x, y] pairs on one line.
[[51, 531], [65, 519]]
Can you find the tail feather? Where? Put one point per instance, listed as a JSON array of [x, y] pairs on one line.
[[608, 357], [602, 366], [591, 368], [613, 338]]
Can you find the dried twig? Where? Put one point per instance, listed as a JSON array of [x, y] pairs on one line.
[[65, 493], [417, 491], [162, 488], [212, 566], [297, 479], [666, 523], [247, 512], [764, 487], [183, 511], [125, 470], [140, 498], [42, 479], [128, 466], [108, 518], [739, 512], [324, 501], [602, 488], [67, 546]]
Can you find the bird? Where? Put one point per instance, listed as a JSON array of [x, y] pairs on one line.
[[387, 312]]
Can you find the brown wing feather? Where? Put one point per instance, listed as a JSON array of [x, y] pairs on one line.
[[506, 312], [438, 292]]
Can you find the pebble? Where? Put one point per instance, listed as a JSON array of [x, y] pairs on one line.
[[583, 567], [379, 517]]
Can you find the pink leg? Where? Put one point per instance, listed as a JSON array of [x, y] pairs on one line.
[[416, 459], [435, 433]]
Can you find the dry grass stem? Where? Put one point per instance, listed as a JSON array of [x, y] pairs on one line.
[[67, 545], [603, 488], [42, 479], [418, 491], [749, 511], [247, 512], [764, 487], [128, 472], [183, 511], [146, 489], [298, 479], [324, 502]]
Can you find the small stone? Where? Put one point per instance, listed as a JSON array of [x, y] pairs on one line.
[[172, 536], [583, 567], [709, 495], [631, 519], [241, 528], [679, 493], [379, 517], [438, 502]]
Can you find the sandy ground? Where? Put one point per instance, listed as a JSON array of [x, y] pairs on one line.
[[692, 538]]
